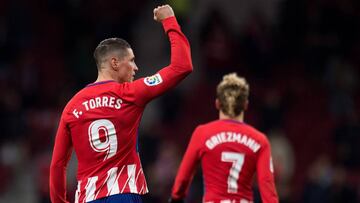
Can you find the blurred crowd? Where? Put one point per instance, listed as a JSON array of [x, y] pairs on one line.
[[301, 59]]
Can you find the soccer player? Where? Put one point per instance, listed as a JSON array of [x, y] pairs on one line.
[[101, 121], [230, 152]]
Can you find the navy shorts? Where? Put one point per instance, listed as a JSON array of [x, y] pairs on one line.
[[120, 198]]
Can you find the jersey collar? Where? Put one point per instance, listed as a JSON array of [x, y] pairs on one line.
[[232, 121], [99, 83]]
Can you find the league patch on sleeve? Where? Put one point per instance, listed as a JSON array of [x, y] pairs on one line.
[[153, 80]]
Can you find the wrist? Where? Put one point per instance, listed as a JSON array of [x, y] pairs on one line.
[[170, 23], [168, 19]]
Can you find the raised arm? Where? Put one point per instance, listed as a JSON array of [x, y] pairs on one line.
[[61, 155], [145, 89], [180, 47], [265, 176]]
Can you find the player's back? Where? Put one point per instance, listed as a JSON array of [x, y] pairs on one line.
[[103, 121], [229, 153], [100, 115]]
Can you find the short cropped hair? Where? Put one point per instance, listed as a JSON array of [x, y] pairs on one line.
[[232, 93], [110, 45]]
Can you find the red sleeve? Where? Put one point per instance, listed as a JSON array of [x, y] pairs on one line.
[[145, 89], [187, 167], [265, 175], [61, 155]]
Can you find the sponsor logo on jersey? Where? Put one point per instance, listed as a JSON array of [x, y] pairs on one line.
[[153, 80]]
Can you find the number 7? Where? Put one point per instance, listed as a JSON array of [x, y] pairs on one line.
[[237, 160]]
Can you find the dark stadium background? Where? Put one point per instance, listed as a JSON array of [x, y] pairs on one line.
[[301, 58]]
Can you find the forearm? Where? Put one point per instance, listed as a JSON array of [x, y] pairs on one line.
[[265, 176], [181, 187], [180, 48], [184, 176], [57, 184], [60, 158], [186, 172], [180, 65], [268, 190]]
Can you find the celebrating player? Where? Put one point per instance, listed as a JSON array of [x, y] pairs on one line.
[[101, 121], [230, 152]]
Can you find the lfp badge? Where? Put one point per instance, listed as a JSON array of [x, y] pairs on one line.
[[153, 80]]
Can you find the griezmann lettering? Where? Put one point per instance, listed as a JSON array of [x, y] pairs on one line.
[[224, 137]]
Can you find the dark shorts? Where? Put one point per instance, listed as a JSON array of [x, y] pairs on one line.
[[120, 198]]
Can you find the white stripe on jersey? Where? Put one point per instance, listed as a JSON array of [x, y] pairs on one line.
[[137, 176], [131, 174], [110, 177], [112, 184], [77, 193], [93, 190], [142, 187], [116, 184], [129, 177], [106, 181], [90, 189]]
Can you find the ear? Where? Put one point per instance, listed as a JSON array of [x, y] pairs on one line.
[[217, 104], [114, 63]]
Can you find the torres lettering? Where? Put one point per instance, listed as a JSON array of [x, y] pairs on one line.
[[104, 101], [97, 102]]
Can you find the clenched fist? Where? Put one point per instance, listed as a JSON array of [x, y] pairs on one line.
[[162, 12]]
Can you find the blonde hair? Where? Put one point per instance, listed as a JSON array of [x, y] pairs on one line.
[[232, 93]]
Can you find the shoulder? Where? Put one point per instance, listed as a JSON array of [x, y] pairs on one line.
[[257, 134], [72, 101]]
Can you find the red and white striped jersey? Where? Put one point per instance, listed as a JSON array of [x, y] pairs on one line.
[[231, 153], [101, 124]]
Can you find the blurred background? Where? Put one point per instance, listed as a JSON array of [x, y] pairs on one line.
[[301, 58]]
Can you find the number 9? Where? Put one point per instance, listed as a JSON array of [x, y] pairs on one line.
[[110, 144]]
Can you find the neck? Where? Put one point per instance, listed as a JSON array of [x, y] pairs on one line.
[[239, 118], [104, 75]]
